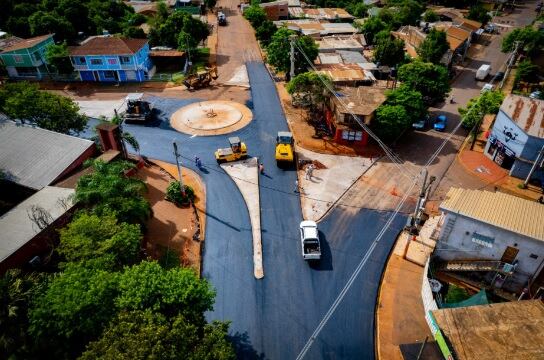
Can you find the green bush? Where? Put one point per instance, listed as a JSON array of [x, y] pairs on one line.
[[174, 194]]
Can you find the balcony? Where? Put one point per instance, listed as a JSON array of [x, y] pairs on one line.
[[80, 67]]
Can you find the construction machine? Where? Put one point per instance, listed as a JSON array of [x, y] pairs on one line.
[[138, 109], [201, 79], [285, 153], [221, 18], [236, 151]]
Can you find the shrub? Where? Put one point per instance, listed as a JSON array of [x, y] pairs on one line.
[[174, 194]]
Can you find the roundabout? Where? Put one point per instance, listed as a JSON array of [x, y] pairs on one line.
[[211, 118]]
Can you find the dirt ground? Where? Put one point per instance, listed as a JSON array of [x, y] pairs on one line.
[[304, 133], [171, 228]]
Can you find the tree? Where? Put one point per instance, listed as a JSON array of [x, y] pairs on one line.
[[410, 100], [25, 102], [174, 194], [488, 102], [388, 51], [167, 33], [107, 190], [279, 49], [148, 335], [310, 88], [49, 23], [170, 292], [430, 16], [17, 291], [89, 238], [372, 27], [265, 32], [125, 135], [390, 122], [401, 12], [430, 80], [478, 13], [527, 72], [58, 57], [433, 48], [358, 9], [530, 40], [77, 305], [134, 33], [255, 15]]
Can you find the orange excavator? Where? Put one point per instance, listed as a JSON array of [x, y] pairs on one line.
[[201, 79]]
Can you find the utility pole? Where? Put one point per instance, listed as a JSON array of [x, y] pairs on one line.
[[539, 159], [292, 39], [423, 195], [177, 155], [510, 63]]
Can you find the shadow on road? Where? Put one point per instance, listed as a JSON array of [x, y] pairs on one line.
[[223, 222], [325, 264], [243, 348]]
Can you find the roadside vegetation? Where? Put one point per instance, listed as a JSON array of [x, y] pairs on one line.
[[99, 296]]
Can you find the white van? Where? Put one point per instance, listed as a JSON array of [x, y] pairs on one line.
[[483, 71]]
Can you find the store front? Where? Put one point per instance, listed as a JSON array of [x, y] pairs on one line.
[[500, 153]]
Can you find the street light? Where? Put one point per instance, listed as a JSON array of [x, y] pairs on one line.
[[177, 156]]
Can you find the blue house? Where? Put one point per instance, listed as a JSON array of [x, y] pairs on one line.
[[112, 59]]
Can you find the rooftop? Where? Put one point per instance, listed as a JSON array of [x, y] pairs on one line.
[[8, 41], [275, 3], [312, 26], [505, 211], [511, 330], [332, 43], [107, 45], [26, 43], [456, 36], [362, 100], [328, 14], [35, 157], [18, 228], [527, 113]]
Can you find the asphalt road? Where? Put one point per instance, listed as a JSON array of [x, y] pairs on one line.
[[272, 318]]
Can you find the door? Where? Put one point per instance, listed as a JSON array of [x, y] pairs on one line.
[[509, 254]]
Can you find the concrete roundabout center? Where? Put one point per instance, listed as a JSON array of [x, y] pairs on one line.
[[211, 118]]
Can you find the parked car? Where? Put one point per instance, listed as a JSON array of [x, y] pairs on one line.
[[309, 240], [441, 123], [486, 87], [498, 76], [421, 124], [483, 71], [489, 28], [536, 95]]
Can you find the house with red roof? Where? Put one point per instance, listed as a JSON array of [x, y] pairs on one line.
[[112, 59]]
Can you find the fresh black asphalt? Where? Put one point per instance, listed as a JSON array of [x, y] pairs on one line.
[[272, 318]]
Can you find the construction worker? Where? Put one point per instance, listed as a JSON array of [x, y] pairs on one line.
[[261, 168]]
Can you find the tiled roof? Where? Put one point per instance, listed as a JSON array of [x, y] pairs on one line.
[[26, 43], [362, 100], [498, 209], [108, 45], [527, 113]]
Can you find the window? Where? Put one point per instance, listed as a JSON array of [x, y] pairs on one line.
[[18, 59], [124, 60], [112, 61], [96, 61], [82, 60], [483, 240], [352, 135], [36, 56]]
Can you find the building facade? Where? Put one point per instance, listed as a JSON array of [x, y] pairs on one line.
[[25, 59], [112, 59], [480, 225], [517, 136]]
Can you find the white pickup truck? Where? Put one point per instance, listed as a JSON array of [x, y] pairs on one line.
[[309, 240]]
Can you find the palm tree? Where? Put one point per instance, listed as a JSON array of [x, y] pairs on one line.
[[126, 136]]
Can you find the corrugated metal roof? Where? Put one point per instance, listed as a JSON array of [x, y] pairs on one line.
[[18, 228], [35, 157], [527, 113], [26, 43], [499, 209]]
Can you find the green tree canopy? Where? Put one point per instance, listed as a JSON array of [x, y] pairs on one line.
[[429, 79], [167, 33], [410, 100], [433, 48], [372, 27], [388, 50], [58, 58], [390, 121], [45, 23], [255, 15], [430, 16], [147, 335], [92, 240], [78, 304], [488, 102], [25, 102], [358, 9], [478, 13], [527, 71], [107, 190], [171, 292], [279, 49], [531, 40], [402, 12], [265, 31], [310, 88]]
